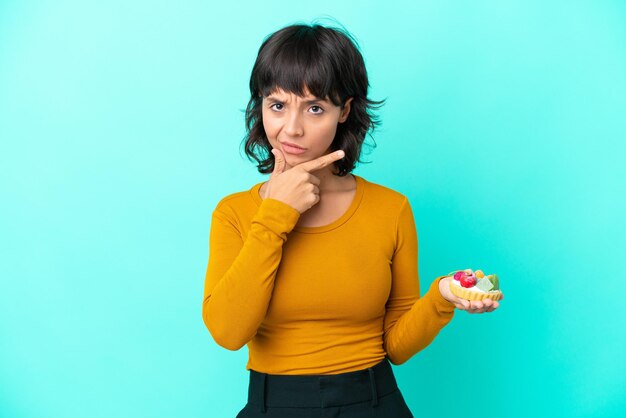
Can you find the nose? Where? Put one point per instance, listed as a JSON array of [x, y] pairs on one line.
[[293, 125]]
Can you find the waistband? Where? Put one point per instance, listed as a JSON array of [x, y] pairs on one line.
[[315, 391]]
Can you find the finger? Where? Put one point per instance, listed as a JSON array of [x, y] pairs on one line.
[[488, 305], [476, 306], [323, 161], [494, 306], [314, 180], [279, 162], [315, 200]]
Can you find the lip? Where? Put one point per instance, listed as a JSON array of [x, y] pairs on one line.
[[290, 148]]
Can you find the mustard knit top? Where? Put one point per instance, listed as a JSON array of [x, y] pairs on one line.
[[319, 300]]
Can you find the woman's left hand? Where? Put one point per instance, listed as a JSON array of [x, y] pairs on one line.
[[471, 306]]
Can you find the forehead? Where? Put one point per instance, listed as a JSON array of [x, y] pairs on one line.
[[286, 95]]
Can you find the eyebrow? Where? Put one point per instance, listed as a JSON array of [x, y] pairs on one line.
[[316, 100]]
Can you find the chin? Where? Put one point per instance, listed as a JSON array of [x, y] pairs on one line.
[[296, 158]]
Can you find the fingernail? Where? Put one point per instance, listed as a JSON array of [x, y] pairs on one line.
[[341, 153]]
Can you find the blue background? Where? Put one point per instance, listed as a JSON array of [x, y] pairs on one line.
[[120, 126]]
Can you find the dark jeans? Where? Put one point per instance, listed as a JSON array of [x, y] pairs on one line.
[[369, 393]]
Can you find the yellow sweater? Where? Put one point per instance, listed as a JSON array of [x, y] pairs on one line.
[[319, 300]]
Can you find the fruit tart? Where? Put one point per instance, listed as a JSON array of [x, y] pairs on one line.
[[475, 285]]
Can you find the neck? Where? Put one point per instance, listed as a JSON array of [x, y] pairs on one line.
[[328, 181], [332, 183]]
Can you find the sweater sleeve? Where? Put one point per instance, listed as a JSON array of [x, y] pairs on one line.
[[411, 322], [240, 274]]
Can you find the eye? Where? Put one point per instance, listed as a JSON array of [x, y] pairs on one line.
[[317, 110], [276, 106]]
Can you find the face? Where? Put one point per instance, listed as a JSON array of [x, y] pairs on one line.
[[303, 128]]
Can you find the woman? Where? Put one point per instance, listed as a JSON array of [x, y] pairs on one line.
[[316, 269]]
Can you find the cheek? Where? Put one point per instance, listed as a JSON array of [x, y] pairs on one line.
[[270, 127], [326, 131]]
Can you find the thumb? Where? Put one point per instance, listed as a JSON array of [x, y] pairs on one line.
[[279, 162]]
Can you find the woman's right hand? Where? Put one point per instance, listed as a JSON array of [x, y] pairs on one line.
[[297, 187]]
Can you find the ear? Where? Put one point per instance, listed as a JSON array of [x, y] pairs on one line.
[[345, 110]]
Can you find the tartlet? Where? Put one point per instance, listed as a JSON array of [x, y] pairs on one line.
[[475, 285]]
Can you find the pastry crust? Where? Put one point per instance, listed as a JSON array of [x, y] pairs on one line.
[[471, 295]]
